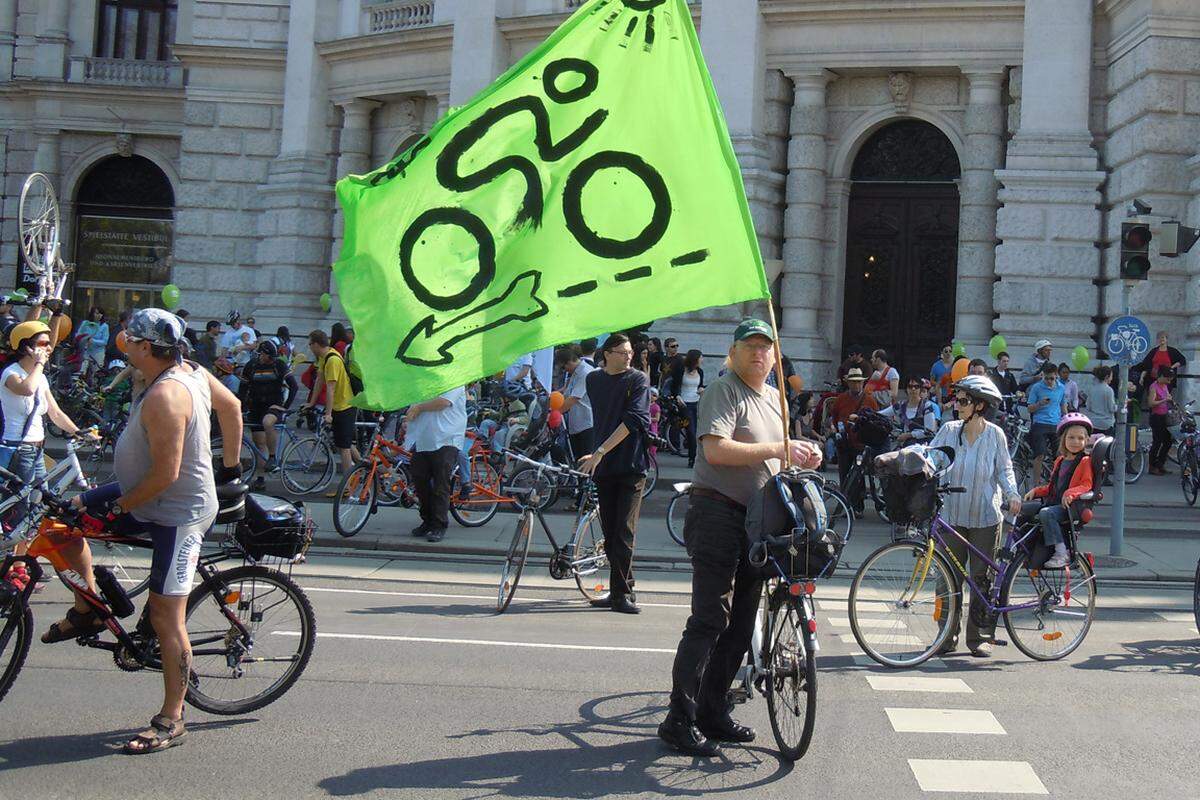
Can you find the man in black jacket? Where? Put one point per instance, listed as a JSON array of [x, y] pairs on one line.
[[268, 388], [620, 400]]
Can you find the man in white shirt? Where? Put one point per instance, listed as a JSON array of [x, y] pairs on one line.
[[435, 431], [239, 342], [576, 405]]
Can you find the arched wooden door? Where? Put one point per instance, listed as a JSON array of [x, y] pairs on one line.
[[902, 245]]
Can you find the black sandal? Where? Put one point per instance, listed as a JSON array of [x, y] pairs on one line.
[[163, 733], [82, 624]]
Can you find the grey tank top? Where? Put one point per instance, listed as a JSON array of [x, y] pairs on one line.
[[192, 498]]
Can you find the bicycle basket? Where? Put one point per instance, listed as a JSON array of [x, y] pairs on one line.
[[910, 499], [274, 527], [873, 428], [792, 503]]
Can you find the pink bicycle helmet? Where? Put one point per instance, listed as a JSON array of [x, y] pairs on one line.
[[1074, 418]]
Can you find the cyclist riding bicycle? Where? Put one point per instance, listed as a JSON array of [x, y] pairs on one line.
[[983, 468], [914, 414], [165, 487], [268, 388]]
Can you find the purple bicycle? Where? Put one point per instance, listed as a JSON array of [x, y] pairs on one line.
[[906, 598]]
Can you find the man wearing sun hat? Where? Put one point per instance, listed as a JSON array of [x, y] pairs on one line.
[[845, 405]]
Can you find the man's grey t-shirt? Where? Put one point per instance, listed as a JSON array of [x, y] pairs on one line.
[[732, 410], [579, 417]]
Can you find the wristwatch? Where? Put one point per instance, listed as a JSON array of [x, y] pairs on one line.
[[600, 451], [116, 509]]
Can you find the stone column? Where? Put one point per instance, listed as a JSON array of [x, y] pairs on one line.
[[477, 55], [8, 37], [977, 221], [804, 220], [354, 158], [296, 222], [52, 42], [1050, 221], [1191, 347]]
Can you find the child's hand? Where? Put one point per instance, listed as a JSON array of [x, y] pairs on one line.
[[1028, 495]]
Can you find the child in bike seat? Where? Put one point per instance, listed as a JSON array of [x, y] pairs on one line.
[[1070, 478]]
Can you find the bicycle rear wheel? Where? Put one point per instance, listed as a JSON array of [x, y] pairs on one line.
[[1066, 604], [676, 513], [16, 632], [1189, 480], [529, 478], [355, 500], [1135, 465], [479, 507], [791, 681], [588, 558], [651, 478], [1196, 596], [119, 558], [307, 465], [232, 672], [514, 561], [246, 456], [901, 604], [837, 507]]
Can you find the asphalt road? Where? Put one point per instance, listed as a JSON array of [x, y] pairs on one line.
[[418, 690]]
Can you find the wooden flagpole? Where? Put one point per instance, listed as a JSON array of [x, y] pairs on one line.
[[783, 402]]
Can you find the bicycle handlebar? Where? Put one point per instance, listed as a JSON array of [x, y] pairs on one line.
[[541, 466]]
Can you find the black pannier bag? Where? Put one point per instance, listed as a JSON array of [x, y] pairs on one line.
[[910, 499], [792, 503], [873, 429], [273, 527]]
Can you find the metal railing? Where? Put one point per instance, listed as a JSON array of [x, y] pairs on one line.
[[399, 15], [125, 72]]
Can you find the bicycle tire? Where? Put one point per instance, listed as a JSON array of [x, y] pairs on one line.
[[790, 695], [1195, 598], [651, 478], [394, 483], [528, 477], [589, 544], [257, 618], [1135, 465], [837, 508], [1037, 583], [887, 597], [307, 465], [115, 556], [358, 495], [1189, 479], [247, 458], [15, 638], [477, 510], [676, 515], [514, 561]]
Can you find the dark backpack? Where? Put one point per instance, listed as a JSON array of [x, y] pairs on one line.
[[791, 503]]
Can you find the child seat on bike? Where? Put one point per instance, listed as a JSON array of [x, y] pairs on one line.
[[787, 523], [1098, 462]]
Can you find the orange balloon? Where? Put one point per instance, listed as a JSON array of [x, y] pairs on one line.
[[64, 328], [556, 401], [959, 370], [796, 382], [121, 342]]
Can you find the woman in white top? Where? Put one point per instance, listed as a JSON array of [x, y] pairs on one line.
[[884, 385], [687, 383], [983, 468], [914, 414]]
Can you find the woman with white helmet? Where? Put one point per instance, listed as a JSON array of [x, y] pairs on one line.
[[982, 467]]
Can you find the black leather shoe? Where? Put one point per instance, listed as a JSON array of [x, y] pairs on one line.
[[435, 534], [624, 604], [726, 729], [420, 530], [605, 603], [685, 737]]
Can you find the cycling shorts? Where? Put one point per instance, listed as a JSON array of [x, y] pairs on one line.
[[343, 427], [176, 554], [258, 410]]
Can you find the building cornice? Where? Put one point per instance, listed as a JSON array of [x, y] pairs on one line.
[[19, 89], [1151, 26], [910, 10], [946, 60], [207, 55], [416, 40], [542, 25]]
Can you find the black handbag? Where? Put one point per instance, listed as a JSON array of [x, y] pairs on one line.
[[787, 528]]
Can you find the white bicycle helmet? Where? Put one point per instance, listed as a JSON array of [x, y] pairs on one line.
[[1040, 343], [979, 387]]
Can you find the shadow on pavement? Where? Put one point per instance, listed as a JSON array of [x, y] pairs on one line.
[[1165, 656], [588, 766], [44, 751]]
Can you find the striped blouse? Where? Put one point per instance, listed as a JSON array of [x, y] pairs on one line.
[[984, 469]]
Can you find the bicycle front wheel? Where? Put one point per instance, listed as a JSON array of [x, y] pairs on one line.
[[530, 478], [651, 478], [16, 632], [1135, 465], [837, 508], [902, 600], [119, 559], [307, 465], [1189, 479], [514, 561], [1062, 604], [355, 500], [588, 558], [1195, 598], [479, 507], [247, 457], [236, 671], [676, 513], [791, 680]]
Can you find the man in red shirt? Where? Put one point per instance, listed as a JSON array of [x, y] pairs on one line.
[[846, 404]]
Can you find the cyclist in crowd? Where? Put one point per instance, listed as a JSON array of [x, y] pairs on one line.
[[92, 338], [518, 380], [1070, 387], [1031, 373], [983, 468], [208, 344], [1006, 381], [434, 433], [268, 388], [1102, 403], [333, 381], [620, 398], [1158, 398], [1163, 356], [1070, 478], [165, 485], [941, 368], [854, 359], [576, 406], [977, 366], [884, 385], [1047, 404], [671, 359], [742, 444], [686, 382], [914, 414], [844, 406], [238, 343]]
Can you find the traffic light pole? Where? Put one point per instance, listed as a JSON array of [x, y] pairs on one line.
[[1121, 438]]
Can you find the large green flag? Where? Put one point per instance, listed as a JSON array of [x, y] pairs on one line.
[[591, 188]]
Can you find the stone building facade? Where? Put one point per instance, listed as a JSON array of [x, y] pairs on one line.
[[917, 170]]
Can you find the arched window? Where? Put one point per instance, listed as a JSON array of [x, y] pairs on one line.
[[908, 151], [136, 29]]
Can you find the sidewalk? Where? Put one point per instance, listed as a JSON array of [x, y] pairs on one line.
[[1161, 542]]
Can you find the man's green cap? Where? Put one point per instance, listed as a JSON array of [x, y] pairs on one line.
[[752, 327]]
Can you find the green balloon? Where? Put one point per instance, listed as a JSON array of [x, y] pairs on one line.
[[170, 296], [1080, 358], [23, 292], [326, 302], [997, 345], [958, 348]]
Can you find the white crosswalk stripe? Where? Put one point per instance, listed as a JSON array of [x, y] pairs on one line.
[[907, 683], [944, 720], [844, 622], [996, 777]]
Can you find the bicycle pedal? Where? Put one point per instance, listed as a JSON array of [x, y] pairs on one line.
[[999, 642], [739, 695]]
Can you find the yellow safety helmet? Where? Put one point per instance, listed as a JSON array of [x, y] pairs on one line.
[[26, 330]]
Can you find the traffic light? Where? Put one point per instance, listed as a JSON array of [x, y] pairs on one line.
[[1135, 251]]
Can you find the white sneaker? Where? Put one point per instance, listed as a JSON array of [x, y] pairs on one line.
[[1057, 561]]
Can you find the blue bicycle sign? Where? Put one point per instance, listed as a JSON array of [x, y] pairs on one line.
[[1127, 340]]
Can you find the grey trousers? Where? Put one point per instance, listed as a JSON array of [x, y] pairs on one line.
[[979, 628]]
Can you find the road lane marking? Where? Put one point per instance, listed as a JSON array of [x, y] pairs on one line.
[[488, 597], [997, 777], [867, 661], [482, 642], [844, 622], [905, 683], [874, 638], [944, 720], [861, 605]]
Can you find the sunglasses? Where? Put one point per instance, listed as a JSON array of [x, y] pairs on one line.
[[963, 400]]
